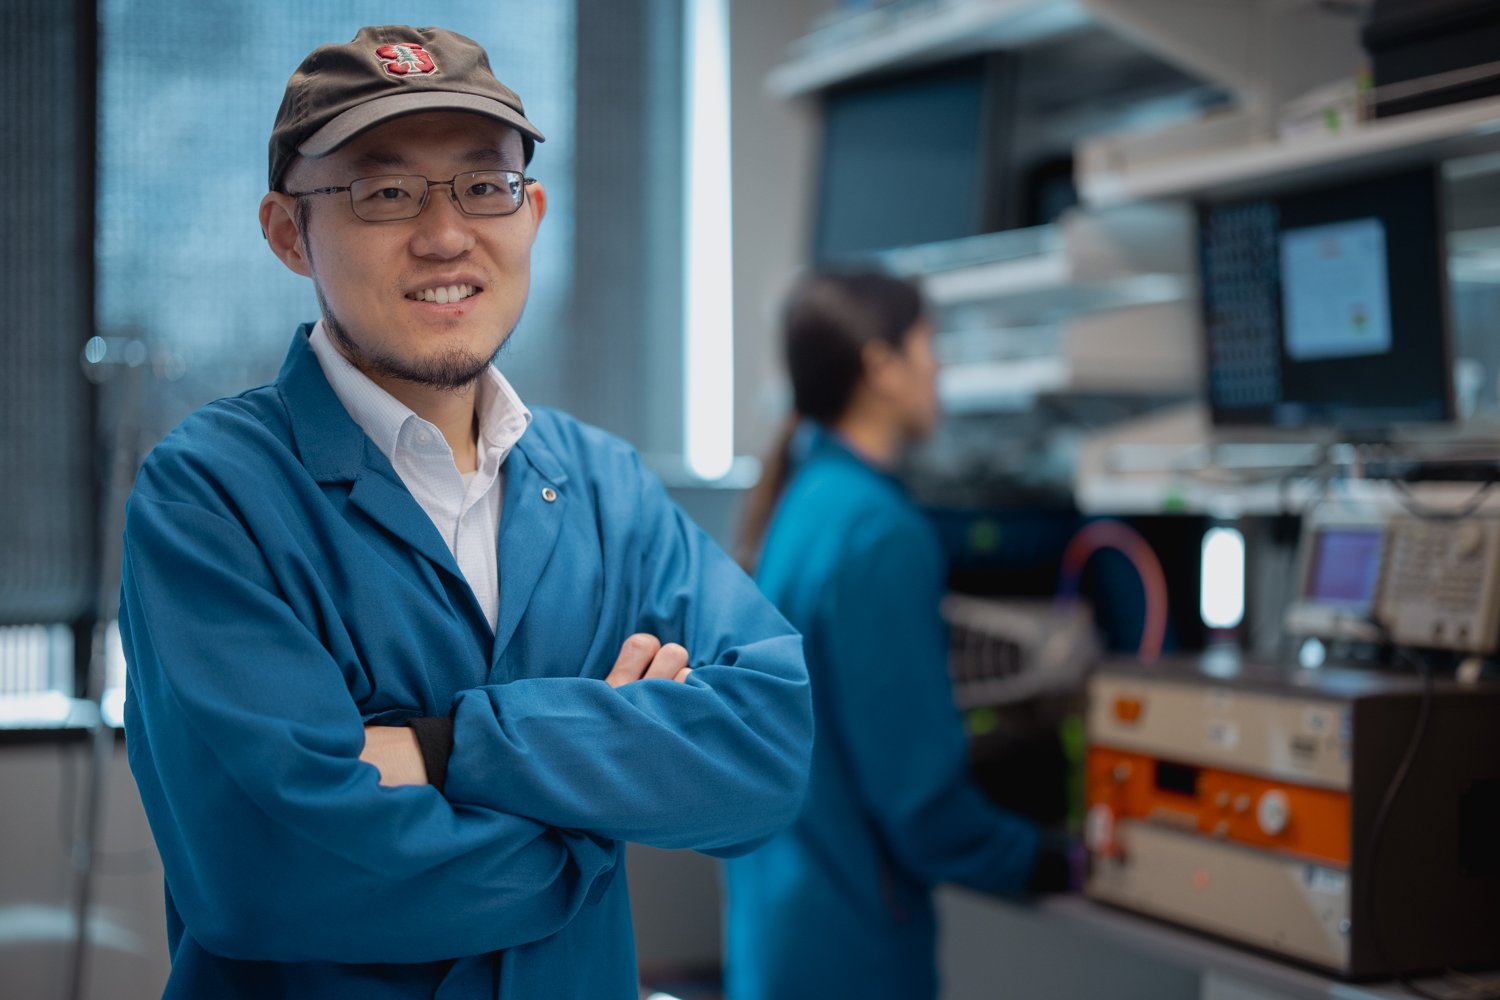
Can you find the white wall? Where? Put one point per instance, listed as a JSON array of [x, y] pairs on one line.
[[774, 159]]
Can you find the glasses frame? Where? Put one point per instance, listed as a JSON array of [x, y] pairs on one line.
[[427, 194]]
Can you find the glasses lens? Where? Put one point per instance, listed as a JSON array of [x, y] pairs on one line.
[[383, 199], [490, 192]]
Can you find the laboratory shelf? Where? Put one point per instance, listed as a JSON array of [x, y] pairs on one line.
[[1270, 166], [905, 35], [1175, 462], [1004, 384], [972, 251], [1056, 297], [1026, 273], [1005, 303]]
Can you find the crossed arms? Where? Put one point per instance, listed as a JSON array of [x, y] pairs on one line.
[[395, 753], [245, 727]]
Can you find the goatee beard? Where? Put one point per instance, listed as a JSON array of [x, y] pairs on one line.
[[452, 370]]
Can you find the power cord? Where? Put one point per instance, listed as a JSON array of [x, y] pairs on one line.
[[1415, 508], [1377, 829]]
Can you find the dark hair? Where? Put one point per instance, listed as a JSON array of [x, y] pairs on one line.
[[301, 212], [829, 319]]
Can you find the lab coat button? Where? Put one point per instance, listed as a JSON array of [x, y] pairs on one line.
[[549, 494]]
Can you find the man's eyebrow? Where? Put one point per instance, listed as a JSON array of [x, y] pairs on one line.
[[379, 158], [492, 157], [483, 156]]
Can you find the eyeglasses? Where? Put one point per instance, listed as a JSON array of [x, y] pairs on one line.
[[403, 196]]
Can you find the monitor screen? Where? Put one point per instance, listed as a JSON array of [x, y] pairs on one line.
[[1328, 307], [903, 162], [1345, 568]]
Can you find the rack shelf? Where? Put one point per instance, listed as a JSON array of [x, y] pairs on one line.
[[1266, 167], [902, 36], [1174, 462]]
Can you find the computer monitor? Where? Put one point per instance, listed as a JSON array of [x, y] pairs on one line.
[[905, 161], [1328, 307]]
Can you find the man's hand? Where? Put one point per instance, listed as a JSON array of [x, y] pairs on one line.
[[397, 756], [644, 656], [395, 753]]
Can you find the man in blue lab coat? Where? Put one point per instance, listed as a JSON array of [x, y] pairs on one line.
[[408, 661]]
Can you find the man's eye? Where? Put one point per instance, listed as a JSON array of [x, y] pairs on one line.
[[390, 194], [482, 190]]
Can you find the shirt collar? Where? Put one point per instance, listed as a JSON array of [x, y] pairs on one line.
[[826, 442], [503, 418]]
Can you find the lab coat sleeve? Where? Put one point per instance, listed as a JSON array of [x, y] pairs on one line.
[[893, 710], [278, 842], [717, 763]]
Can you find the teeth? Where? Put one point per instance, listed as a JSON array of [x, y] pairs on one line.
[[443, 295]]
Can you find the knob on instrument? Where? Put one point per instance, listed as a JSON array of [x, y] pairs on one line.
[[1273, 811]]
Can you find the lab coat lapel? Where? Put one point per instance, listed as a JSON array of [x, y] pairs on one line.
[[334, 449], [391, 505], [529, 528]]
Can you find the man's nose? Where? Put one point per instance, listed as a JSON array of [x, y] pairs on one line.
[[443, 230]]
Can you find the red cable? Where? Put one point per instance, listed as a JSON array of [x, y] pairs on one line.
[[1109, 533]]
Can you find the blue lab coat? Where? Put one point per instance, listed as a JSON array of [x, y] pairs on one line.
[[839, 905], [282, 589]]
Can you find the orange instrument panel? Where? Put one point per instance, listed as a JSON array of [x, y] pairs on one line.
[[1224, 804]]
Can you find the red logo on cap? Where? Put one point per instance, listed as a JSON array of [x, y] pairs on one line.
[[406, 59]]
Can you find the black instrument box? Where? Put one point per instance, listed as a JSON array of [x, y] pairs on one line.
[[1427, 53]]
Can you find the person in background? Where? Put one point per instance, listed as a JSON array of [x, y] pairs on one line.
[[839, 905]]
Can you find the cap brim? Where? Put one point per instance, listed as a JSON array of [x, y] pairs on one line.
[[366, 116]]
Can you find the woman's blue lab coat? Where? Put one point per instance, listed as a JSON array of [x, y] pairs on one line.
[[839, 905], [282, 589]]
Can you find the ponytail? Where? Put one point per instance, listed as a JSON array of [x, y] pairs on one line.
[[775, 471], [829, 320]]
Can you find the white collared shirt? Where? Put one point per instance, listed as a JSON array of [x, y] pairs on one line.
[[464, 507]]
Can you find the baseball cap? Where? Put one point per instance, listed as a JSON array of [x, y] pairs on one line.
[[386, 72]]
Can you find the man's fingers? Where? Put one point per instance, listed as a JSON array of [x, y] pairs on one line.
[[635, 656], [668, 662], [644, 656]]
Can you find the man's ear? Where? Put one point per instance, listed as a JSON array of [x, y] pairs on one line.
[[278, 221], [537, 196]]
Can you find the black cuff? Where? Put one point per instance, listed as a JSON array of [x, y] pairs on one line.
[[435, 738], [1053, 873]]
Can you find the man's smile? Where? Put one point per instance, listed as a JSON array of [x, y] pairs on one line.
[[444, 294]]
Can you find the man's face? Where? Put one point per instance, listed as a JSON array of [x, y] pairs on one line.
[[372, 277]]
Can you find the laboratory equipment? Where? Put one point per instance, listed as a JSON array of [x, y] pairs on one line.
[[1366, 575], [1242, 803], [1005, 651], [1442, 583]]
